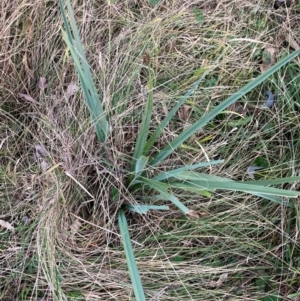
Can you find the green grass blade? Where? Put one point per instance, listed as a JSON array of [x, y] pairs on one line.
[[145, 125], [190, 187], [173, 173], [235, 186], [167, 119], [79, 46], [192, 175], [70, 38], [197, 176], [143, 209], [211, 183], [218, 109], [275, 181], [132, 266], [258, 189], [274, 199], [239, 186], [140, 165], [162, 188], [93, 101], [90, 92], [139, 169]]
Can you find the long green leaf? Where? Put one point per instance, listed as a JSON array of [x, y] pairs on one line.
[[165, 152], [201, 180], [89, 89], [162, 188], [211, 183], [198, 176], [132, 266], [145, 125], [62, 10], [237, 186], [272, 198], [173, 173], [274, 181], [190, 188], [192, 175]]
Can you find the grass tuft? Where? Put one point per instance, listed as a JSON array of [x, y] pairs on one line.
[[61, 190]]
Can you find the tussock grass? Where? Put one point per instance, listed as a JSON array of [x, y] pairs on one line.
[[66, 243]]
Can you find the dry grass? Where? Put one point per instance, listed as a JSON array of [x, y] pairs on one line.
[[66, 245]]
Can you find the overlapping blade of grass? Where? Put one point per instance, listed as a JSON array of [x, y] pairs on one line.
[[140, 165], [235, 186], [132, 266], [162, 188], [139, 168], [89, 89], [164, 123], [212, 183], [171, 114], [173, 173], [165, 152], [139, 149]]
